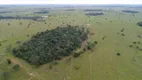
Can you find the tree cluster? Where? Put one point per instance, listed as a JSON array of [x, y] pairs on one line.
[[35, 18], [139, 23], [52, 44]]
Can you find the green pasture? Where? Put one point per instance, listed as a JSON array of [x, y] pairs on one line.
[[100, 64]]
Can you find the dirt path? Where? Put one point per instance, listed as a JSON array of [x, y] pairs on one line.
[[16, 62], [88, 25], [90, 67]]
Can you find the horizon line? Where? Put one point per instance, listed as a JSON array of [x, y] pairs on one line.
[[70, 4]]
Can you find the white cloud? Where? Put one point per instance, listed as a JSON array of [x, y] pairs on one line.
[[70, 1]]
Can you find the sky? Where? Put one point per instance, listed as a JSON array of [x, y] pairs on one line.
[[70, 1]]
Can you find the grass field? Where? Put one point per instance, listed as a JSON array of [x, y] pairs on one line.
[[100, 64]]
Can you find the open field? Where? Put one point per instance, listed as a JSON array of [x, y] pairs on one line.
[[115, 31]]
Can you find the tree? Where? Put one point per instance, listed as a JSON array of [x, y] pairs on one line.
[[118, 54], [20, 23], [8, 24], [8, 61]]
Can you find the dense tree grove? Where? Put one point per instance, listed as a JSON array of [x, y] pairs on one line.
[[51, 44]]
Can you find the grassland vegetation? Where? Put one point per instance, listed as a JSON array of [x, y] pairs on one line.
[[116, 32], [77, 67], [118, 54], [70, 10]]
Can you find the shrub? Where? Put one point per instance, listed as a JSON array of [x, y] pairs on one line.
[[137, 47], [134, 42], [20, 23], [140, 49], [77, 67], [138, 42], [95, 42], [76, 55], [91, 45], [122, 34], [8, 61], [16, 67]]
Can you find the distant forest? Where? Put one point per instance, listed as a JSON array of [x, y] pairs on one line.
[[35, 18], [129, 11]]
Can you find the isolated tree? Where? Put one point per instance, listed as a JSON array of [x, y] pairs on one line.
[[8, 24], [118, 54], [16, 67], [8, 61], [21, 23]]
